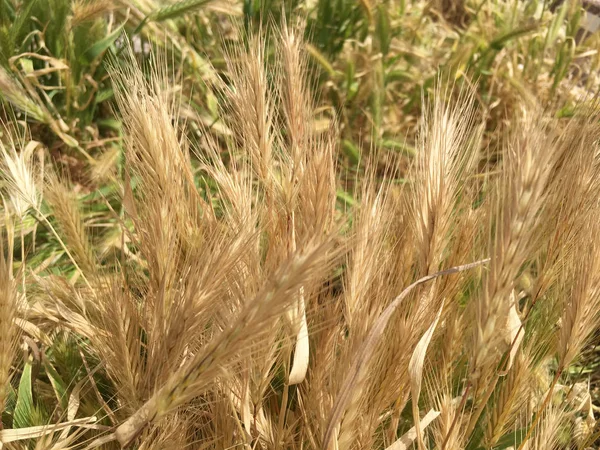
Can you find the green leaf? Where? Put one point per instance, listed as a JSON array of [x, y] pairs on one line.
[[104, 95], [398, 75], [212, 104], [95, 50], [24, 407], [54, 15], [383, 29], [5, 45], [7, 12], [24, 16], [501, 41], [112, 123], [398, 146], [556, 24], [177, 9], [351, 151], [350, 74], [171, 11], [565, 111], [321, 59], [60, 388], [345, 197]]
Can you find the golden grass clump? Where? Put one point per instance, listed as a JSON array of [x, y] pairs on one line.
[[247, 307]]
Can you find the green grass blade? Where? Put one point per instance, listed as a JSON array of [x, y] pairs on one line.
[[95, 50], [176, 9], [171, 11], [24, 407]]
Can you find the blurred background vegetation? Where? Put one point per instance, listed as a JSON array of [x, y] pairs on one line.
[[373, 62]]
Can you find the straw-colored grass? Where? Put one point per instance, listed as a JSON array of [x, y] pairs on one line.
[[242, 305]]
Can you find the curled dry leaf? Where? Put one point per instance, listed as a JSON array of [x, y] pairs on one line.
[[513, 331], [301, 351]]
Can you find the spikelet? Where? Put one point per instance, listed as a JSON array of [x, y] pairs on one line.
[[22, 177], [67, 213], [529, 158]]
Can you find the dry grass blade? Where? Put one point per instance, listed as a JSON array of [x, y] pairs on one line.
[[513, 331], [415, 370], [302, 349], [20, 434], [406, 440]]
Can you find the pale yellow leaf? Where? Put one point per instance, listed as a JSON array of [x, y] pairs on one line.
[[415, 372], [18, 434], [406, 440], [301, 351], [513, 331]]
